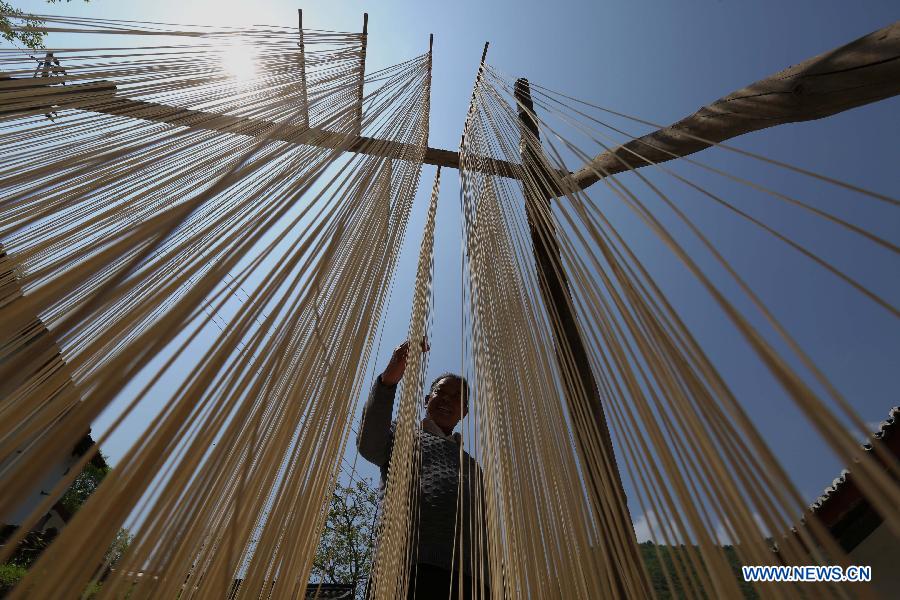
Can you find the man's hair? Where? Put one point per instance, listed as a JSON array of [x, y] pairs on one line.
[[450, 374]]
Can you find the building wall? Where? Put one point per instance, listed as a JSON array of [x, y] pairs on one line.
[[881, 551], [37, 397]]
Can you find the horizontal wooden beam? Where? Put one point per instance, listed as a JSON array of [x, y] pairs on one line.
[[861, 72], [36, 95], [40, 94]]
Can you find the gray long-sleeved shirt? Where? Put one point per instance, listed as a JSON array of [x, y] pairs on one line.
[[439, 481]]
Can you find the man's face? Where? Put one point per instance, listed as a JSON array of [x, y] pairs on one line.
[[445, 406]]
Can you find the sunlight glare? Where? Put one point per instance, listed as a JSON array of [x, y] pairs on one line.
[[238, 62]]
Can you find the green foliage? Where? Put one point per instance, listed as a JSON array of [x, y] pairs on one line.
[[10, 575], [345, 551], [27, 552], [91, 591], [117, 548], [13, 20], [656, 556], [83, 486]]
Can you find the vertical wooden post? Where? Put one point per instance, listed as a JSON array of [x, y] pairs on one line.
[[362, 73], [556, 295], [304, 96], [462, 140], [430, 56]]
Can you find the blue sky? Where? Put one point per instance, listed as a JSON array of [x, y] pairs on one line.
[[660, 61]]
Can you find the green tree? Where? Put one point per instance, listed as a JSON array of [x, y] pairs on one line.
[[10, 575], [27, 552], [12, 20], [117, 548], [669, 555], [344, 554], [84, 485]]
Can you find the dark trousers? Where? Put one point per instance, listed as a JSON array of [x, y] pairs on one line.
[[427, 582]]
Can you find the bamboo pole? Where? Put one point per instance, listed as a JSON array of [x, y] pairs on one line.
[[362, 74]]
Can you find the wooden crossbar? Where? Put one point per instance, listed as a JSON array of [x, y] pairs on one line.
[[864, 71], [36, 95]]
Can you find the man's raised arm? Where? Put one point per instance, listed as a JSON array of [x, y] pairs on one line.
[[374, 439]]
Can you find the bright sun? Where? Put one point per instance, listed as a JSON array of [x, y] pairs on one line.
[[238, 61]]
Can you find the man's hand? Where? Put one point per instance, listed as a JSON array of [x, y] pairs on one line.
[[394, 371]]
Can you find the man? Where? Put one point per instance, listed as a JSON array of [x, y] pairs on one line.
[[445, 543]]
